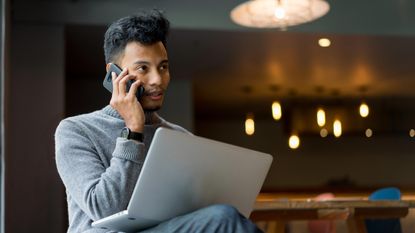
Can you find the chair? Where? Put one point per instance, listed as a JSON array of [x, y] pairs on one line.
[[322, 226], [384, 225]]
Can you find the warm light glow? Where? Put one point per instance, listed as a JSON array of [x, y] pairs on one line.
[[249, 125], [294, 141], [276, 110], [337, 128], [369, 133], [321, 117], [324, 42], [412, 133], [278, 14], [364, 110], [324, 132]]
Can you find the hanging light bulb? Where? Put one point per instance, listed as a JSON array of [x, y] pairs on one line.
[[276, 110], [412, 133], [364, 109], [249, 124], [324, 42], [368, 132], [294, 141], [337, 128], [279, 12], [321, 117], [323, 132]]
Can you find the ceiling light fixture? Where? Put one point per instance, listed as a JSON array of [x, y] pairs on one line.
[[337, 128], [368, 133], [250, 124], [324, 133], [324, 42], [364, 109], [321, 117], [278, 13], [294, 141], [276, 110], [276, 105]]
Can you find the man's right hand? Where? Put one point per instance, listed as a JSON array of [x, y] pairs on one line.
[[126, 103]]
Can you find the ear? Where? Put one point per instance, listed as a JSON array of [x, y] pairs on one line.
[[107, 67]]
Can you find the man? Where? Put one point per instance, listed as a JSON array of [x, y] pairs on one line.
[[98, 166]]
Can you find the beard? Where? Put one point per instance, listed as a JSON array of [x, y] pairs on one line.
[[149, 114], [151, 110]]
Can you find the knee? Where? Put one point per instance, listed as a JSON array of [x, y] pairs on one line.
[[222, 211], [223, 218]]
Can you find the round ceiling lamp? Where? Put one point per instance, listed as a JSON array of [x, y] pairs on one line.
[[278, 13]]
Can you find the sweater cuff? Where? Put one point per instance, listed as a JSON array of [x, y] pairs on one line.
[[129, 150]]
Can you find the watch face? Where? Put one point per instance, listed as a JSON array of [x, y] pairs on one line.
[[125, 132]]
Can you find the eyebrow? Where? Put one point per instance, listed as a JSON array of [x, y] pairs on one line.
[[148, 63]]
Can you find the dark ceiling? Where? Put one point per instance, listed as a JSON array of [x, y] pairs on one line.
[[380, 17]]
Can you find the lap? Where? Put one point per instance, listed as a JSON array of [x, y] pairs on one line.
[[208, 219]]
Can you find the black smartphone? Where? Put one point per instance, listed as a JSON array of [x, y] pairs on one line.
[[108, 81]]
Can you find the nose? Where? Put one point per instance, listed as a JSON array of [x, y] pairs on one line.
[[155, 78]]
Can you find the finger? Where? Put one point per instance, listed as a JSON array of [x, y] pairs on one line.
[[116, 80], [123, 73], [122, 87], [114, 84], [134, 88]]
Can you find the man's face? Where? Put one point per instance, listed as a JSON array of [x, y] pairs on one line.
[[150, 65]]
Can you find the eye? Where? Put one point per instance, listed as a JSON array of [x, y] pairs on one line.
[[164, 67], [142, 68]]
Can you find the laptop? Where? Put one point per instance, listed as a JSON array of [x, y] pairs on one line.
[[183, 173]]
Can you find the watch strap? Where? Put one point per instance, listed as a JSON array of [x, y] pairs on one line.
[[128, 134], [135, 136]]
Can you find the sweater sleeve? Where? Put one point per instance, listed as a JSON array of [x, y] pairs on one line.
[[97, 190]]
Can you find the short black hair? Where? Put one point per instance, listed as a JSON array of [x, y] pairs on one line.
[[145, 27]]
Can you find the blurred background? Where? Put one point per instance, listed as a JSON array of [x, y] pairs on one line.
[[225, 79]]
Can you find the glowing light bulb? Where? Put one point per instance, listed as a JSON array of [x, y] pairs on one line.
[[364, 110], [294, 141], [337, 128], [276, 110], [249, 125], [324, 42], [321, 117], [323, 132], [279, 13], [369, 133], [412, 133]]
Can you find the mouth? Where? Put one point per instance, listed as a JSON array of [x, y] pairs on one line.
[[155, 95]]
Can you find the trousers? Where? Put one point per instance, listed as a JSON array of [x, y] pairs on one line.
[[212, 219]]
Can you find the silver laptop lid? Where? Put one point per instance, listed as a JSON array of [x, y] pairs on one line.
[[183, 173]]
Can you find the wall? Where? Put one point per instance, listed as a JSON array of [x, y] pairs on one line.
[[34, 193], [178, 104]]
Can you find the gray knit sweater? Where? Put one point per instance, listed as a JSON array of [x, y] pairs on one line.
[[98, 168]]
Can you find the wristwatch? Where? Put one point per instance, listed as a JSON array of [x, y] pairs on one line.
[[128, 134]]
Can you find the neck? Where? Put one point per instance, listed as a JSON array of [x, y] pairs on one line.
[[151, 117]]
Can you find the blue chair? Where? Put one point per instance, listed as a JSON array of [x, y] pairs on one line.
[[384, 225]]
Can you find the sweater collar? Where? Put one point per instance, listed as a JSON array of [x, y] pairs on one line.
[[151, 117]]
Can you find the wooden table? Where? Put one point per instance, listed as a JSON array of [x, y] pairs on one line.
[[353, 211]]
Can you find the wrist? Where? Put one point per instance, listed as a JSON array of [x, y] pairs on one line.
[[129, 134], [139, 128]]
